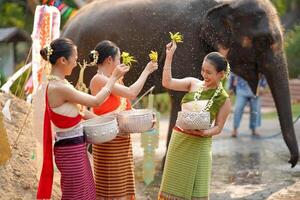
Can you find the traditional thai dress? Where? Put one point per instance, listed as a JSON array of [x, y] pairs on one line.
[[113, 160], [70, 155], [188, 164]]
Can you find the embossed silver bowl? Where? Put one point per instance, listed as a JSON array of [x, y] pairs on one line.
[[135, 121], [100, 129], [193, 120]]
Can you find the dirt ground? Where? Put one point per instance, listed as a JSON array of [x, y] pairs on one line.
[[18, 177]]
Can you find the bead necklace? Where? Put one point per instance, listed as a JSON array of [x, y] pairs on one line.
[[56, 78], [197, 96]]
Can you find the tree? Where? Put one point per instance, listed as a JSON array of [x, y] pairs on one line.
[[16, 13], [284, 6], [12, 14], [292, 48]]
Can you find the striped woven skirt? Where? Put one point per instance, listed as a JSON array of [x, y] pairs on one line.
[[113, 169], [76, 173], [187, 169]]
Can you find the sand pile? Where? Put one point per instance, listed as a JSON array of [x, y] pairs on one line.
[[18, 177]]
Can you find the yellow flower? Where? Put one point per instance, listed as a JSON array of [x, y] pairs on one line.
[[153, 56], [177, 37], [127, 58]]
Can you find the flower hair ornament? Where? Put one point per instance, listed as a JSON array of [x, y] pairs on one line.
[[227, 71], [49, 51], [95, 57]]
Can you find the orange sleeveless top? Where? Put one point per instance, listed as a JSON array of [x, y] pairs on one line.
[[110, 104]]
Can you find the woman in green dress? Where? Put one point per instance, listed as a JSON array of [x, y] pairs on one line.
[[188, 164]]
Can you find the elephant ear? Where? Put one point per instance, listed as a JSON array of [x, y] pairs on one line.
[[216, 29]]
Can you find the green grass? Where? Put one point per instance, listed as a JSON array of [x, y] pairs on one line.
[[273, 114]]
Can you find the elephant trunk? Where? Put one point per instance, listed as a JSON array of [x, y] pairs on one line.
[[277, 76]]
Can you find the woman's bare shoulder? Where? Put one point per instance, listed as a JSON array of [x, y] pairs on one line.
[[196, 84], [98, 79], [60, 88]]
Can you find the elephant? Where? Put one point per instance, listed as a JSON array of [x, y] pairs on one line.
[[249, 30]]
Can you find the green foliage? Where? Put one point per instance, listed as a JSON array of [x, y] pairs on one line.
[[281, 5], [162, 103], [274, 114], [18, 86], [284, 6], [2, 78], [12, 14], [292, 48]]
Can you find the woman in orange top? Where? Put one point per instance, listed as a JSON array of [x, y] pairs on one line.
[[113, 161]]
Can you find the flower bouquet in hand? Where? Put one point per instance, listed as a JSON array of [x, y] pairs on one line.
[[153, 56], [177, 37], [127, 59]]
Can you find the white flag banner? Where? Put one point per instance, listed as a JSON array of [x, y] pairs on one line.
[[6, 87], [45, 29]]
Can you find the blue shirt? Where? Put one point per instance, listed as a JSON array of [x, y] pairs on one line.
[[242, 87]]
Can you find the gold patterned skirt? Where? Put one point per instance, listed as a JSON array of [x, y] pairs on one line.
[[114, 169]]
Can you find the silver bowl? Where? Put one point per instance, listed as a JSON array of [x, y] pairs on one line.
[[135, 121], [193, 120], [100, 129]]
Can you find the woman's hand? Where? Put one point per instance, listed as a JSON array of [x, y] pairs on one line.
[[170, 48], [86, 114], [120, 71], [151, 67]]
